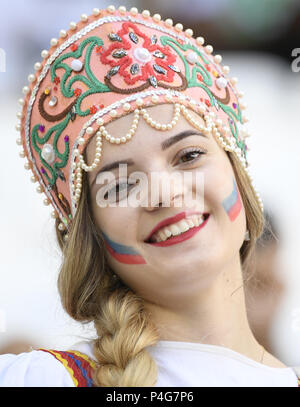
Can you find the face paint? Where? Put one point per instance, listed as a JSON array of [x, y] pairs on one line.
[[124, 254], [233, 204]]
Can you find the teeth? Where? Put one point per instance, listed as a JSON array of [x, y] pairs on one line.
[[177, 228], [183, 226], [190, 223], [174, 229]]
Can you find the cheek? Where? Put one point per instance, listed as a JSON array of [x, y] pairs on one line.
[[122, 253], [233, 203]]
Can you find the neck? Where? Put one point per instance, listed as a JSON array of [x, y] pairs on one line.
[[214, 314]]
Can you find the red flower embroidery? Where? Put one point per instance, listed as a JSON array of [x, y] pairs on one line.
[[56, 80], [99, 49], [74, 47], [137, 57], [77, 92], [93, 109]]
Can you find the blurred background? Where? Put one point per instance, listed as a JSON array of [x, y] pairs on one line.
[[258, 39]]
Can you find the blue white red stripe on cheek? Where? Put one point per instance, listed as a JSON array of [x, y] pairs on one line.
[[233, 203], [122, 253]]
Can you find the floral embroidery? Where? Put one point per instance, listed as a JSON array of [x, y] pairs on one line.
[[136, 57]]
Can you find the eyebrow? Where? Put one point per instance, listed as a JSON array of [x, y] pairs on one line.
[[164, 146]]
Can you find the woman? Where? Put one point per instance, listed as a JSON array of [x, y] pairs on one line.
[[161, 280]]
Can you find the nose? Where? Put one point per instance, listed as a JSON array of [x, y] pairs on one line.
[[164, 190]]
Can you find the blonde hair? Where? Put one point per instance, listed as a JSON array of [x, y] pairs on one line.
[[89, 292]]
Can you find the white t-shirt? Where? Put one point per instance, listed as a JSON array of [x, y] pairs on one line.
[[179, 364]]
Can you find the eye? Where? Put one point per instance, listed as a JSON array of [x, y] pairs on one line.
[[118, 188], [193, 152]]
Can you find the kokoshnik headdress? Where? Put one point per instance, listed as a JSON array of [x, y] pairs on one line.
[[108, 65]]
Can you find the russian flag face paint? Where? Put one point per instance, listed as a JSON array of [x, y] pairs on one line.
[[233, 203], [122, 253]]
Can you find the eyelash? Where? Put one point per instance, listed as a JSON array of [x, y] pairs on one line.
[[192, 150], [184, 153]]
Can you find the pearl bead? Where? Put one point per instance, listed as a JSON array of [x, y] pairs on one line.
[[53, 215], [44, 53], [157, 17], [189, 32], [39, 189], [200, 40], [61, 227], [139, 102], [21, 102], [169, 22], [209, 49], [31, 78], [25, 90], [63, 33], [226, 69], [22, 154], [100, 121], [178, 27], [192, 57], [146, 13], [89, 130], [53, 42], [234, 80], [46, 202], [221, 82], [48, 153], [76, 65], [73, 25], [122, 9], [83, 17], [155, 98], [96, 11], [37, 66], [134, 11], [19, 115], [81, 141], [19, 141], [142, 54], [218, 59], [126, 107], [111, 9], [113, 113], [18, 127]]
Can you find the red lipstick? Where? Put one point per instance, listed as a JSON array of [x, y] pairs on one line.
[[172, 219], [183, 236]]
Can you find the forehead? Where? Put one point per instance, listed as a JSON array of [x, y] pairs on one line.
[[144, 136]]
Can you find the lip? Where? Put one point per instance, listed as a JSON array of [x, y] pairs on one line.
[[182, 237], [172, 219]]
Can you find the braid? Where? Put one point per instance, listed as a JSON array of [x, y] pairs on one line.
[[125, 330]]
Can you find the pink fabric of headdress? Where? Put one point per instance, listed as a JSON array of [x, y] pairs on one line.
[[104, 67]]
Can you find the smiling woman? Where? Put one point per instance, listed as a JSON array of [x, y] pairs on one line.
[[159, 271]]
